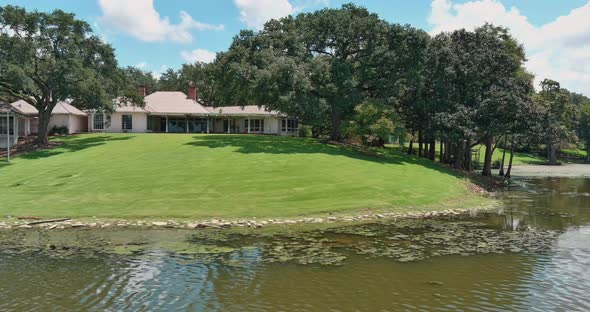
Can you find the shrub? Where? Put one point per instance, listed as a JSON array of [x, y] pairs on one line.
[[62, 130]]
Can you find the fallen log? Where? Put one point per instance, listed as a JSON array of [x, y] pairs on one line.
[[48, 221]]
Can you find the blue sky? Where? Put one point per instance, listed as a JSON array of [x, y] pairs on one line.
[[157, 34]]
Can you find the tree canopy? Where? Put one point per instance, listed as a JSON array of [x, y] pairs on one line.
[[46, 58]]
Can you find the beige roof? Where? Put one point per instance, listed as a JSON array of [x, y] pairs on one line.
[[63, 108], [242, 110], [25, 108], [127, 108], [172, 103]]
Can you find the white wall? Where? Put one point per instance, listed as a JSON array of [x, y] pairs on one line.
[[139, 123], [59, 121]]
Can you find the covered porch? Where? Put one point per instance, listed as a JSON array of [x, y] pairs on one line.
[[178, 124], [244, 124], [13, 124]]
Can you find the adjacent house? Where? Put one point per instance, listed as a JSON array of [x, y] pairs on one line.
[[10, 119], [175, 112], [164, 112]]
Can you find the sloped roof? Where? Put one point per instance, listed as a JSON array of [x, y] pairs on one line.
[[63, 108], [242, 110], [128, 108], [25, 108], [165, 102], [6, 108]]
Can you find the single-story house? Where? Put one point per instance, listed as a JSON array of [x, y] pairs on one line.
[[175, 112], [10, 119], [63, 115]]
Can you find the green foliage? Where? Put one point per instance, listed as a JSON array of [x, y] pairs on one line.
[[372, 122], [46, 58], [61, 130]]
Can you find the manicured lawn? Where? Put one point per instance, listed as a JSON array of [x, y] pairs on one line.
[[224, 176]]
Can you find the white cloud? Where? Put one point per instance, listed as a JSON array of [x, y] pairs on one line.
[[140, 19], [254, 13], [198, 55], [141, 65], [559, 50], [158, 73]]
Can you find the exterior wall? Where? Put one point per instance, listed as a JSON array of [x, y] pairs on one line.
[[34, 125], [78, 124], [139, 123], [59, 121]]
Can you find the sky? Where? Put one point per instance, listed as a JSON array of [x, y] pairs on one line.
[[155, 35]]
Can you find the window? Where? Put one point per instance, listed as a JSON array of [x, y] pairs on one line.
[[256, 125], [3, 125], [127, 122], [98, 122], [289, 125]]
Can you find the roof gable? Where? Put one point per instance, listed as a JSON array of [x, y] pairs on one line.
[[165, 102]]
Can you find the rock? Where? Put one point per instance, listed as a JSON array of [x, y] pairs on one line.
[[159, 223]]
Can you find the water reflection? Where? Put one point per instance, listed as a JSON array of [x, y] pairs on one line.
[[534, 254]]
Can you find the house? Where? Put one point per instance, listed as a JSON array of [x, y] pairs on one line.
[[63, 115], [10, 119], [175, 112]]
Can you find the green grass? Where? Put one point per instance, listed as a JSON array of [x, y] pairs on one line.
[[218, 176]]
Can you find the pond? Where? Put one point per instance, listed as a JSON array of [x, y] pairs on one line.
[[531, 254]]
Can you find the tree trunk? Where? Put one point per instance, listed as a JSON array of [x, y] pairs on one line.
[[441, 152], [335, 129], [467, 154], [458, 161], [411, 147], [552, 154], [420, 147], [587, 152], [43, 127], [432, 150], [487, 163], [509, 171], [503, 156]]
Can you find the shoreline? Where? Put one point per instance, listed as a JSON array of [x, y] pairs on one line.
[[255, 223]]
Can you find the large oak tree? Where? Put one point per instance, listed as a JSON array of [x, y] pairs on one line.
[[46, 58]]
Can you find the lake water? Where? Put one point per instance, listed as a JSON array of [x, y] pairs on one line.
[[532, 254]]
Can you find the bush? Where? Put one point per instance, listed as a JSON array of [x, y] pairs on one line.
[[305, 131], [63, 130]]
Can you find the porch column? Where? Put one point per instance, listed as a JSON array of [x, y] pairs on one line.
[[207, 124], [166, 123], [8, 136], [15, 121], [186, 124], [228, 122], [248, 124]]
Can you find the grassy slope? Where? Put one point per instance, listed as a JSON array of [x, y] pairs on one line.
[[225, 176]]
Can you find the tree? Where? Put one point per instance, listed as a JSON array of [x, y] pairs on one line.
[[372, 122], [46, 58], [556, 117], [203, 76], [138, 77], [583, 127], [314, 66], [170, 81]]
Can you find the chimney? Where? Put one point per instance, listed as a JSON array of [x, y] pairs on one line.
[[142, 91], [192, 93]]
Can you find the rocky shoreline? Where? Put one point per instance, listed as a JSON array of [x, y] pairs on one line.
[[66, 223]]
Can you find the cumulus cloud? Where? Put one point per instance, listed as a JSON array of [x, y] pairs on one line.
[[198, 55], [140, 19], [254, 13], [559, 50]]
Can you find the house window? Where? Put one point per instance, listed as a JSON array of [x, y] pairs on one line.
[[289, 125], [98, 121], [127, 122], [3, 125], [256, 125], [101, 121]]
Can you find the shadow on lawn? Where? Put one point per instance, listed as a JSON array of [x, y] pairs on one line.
[[73, 144], [251, 144]]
